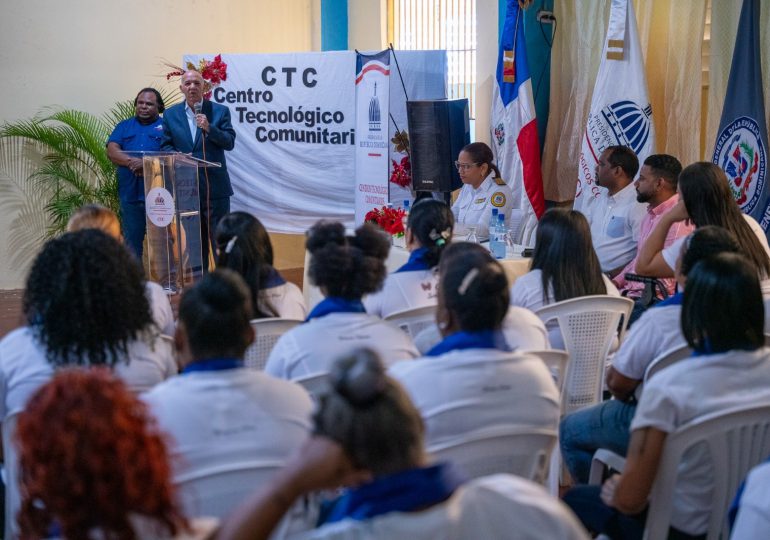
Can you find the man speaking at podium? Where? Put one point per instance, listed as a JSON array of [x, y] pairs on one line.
[[203, 129]]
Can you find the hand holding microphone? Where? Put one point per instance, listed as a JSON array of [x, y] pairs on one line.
[[200, 119]]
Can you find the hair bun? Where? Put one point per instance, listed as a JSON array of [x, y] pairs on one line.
[[324, 233], [359, 378]]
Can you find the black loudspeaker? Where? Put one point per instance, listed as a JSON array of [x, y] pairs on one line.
[[438, 130]]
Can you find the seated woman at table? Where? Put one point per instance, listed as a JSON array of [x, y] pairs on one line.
[[243, 246], [564, 266], [722, 321], [474, 380], [481, 191], [428, 231], [369, 436], [344, 268]]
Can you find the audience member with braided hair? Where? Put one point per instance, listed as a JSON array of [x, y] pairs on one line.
[[84, 305], [428, 231], [564, 266], [368, 435], [345, 268], [95, 216], [243, 245], [94, 464], [472, 381]]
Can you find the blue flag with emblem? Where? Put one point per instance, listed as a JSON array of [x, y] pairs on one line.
[[741, 145]]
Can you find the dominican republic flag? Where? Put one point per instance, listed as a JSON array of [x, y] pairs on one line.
[[741, 145], [514, 128], [620, 113]]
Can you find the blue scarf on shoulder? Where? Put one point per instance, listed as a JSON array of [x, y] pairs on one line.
[[335, 304], [483, 339], [273, 279], [404, 491], [416, 261]]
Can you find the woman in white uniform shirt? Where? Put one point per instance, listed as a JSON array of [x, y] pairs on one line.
[[564, 266], [243, 246], [472, 381], [722, 320], [345, 268], [428, 230], [369, 436], [84, 305], [481, 193]]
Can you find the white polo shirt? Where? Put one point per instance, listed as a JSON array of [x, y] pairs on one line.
[[615, 223], [473, 207], [688, 390], [231, 416], [753, 519], [523, 331], [24, 367], [286, 300], [498, 506], [470, 390], [404, 290], [313, 347]]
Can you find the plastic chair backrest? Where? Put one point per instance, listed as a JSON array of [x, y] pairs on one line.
[[737, 440], [588, 325], [666, 359], [413, 320], [11, 477], [267, 332], [521, 451], [556, 361], [315, 384]]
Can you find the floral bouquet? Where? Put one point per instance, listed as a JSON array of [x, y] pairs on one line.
[[213, 72], [390, 220], [401, 173]]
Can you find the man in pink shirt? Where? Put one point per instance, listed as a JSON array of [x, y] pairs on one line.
[[656, 186]]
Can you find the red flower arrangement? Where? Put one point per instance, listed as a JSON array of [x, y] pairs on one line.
[[402, 172], [213, 72], [391, 220]]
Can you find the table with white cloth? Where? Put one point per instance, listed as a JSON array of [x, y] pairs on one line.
[[514, 264]]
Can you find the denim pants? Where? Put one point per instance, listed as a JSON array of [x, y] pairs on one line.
[[583, 432], [134, 225]]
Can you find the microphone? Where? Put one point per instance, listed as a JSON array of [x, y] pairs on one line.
[[198, 107]]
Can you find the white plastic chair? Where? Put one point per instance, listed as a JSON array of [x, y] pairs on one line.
[[737, 440], [588, 324], [603, 458], [413, 320], [267, 332], [521, 451], [556, 361], [11, 476], [315, 384], [218, 491]]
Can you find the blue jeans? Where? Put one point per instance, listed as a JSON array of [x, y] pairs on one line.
[[596, 516], [583, 432], [134, 225]]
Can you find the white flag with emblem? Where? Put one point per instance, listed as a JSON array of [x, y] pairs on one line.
[[620, 107]]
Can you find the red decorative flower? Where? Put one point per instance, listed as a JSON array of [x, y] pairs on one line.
[[391, 220], [402, 172], [213, 72]]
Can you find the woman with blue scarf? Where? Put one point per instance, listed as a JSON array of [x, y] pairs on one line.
[[415, 284], [368, 436], [243, 246], [344, 268], [472, 382]]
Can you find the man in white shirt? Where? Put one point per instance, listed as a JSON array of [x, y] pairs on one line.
[[615, 215], [219, 414]]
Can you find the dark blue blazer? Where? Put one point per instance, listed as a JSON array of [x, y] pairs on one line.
[[221, 137]]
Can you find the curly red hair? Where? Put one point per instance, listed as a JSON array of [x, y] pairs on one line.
[[91, 458]]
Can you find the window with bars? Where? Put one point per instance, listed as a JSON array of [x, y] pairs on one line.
[[440, 24]]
